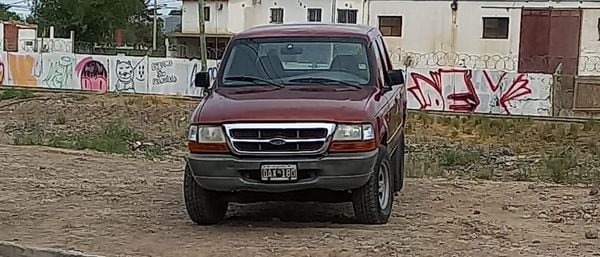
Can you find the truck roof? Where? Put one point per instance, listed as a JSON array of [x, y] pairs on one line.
[[307, 30]]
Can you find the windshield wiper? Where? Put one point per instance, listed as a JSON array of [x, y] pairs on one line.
[[253, 79], [323, 80]]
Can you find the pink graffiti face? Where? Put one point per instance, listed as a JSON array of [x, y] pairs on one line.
[[92, 75], [98, 84]]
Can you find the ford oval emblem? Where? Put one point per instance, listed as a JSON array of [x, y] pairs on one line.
[[277, 141]]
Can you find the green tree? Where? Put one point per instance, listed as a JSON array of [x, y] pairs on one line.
[[6, 14], [92, 20]]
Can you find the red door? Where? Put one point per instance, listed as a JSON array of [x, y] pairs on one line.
[[565, 29], [549, 37]]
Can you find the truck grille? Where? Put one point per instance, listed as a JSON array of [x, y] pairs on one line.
[[279, 138]]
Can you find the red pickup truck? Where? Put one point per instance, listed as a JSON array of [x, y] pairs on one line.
[[303, 112]]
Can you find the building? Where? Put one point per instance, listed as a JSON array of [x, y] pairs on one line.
[[528, 36], [224, 18], [22, 37], [172, 22]]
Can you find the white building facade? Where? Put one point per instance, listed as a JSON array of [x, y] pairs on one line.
[[529, 36]]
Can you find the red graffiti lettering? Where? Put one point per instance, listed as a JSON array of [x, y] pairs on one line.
[[519, 87], [493, 86], [442, 85], [424, 89], [462, 101]]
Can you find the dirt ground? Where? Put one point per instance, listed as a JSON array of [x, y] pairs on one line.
[[132, 205], [115, 206]]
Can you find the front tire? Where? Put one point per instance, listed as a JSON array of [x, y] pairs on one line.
[[373, 202], [203, 206]]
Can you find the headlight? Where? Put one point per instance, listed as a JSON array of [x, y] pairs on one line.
[[206, 134], [347, 132]]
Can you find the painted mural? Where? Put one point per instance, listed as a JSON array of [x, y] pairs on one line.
[[479, 91], [22, 70], [442, 89], [92, 74], [98, 73]]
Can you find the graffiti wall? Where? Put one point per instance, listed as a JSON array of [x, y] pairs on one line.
[[479, 91], [443, 89], [99, 73]]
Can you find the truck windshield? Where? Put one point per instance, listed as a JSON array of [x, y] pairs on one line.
[[293, 61]]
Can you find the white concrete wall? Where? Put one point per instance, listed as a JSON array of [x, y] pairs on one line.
[[144, 75], [445, 89]]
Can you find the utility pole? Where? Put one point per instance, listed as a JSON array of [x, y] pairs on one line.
[[202, 35], [334, 11], [154, 28]]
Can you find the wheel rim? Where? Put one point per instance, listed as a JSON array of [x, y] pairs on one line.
[[383, 180]]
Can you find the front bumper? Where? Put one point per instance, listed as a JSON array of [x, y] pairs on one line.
[[230, 173]]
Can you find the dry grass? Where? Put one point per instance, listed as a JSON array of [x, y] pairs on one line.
[[568, 152], [521, 135]]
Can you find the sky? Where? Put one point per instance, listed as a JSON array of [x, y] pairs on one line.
[[22, 6]]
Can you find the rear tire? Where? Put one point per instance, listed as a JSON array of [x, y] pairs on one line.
[[204, 207], [373, 202]]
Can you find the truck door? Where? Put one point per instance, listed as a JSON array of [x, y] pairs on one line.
[[395, 114]]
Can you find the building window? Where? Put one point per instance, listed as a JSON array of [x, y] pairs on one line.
[[495, 28], [346, 16], [276, 15], [206, 13], [314, 15], [390, 25]]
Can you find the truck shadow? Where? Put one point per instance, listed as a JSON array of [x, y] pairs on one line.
[[292, 212]]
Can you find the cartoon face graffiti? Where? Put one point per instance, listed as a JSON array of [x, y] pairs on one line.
[[127, 74], [124, 70], [92, 75], [140, 71]]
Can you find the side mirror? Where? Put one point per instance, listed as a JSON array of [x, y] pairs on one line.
[[395, 77], [202, 79]]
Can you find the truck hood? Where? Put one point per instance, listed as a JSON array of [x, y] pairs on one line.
[[292, 103]]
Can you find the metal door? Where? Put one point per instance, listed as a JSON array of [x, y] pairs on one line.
[[549, 37], [565, 28]]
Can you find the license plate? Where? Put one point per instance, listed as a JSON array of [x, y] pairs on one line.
[[279, 172]]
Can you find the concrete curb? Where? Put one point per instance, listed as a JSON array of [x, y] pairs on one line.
[[9, 249]]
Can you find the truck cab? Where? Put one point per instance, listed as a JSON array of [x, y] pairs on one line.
[[302, 112]]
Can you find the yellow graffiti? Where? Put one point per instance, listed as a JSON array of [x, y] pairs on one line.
[[21, 69]]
